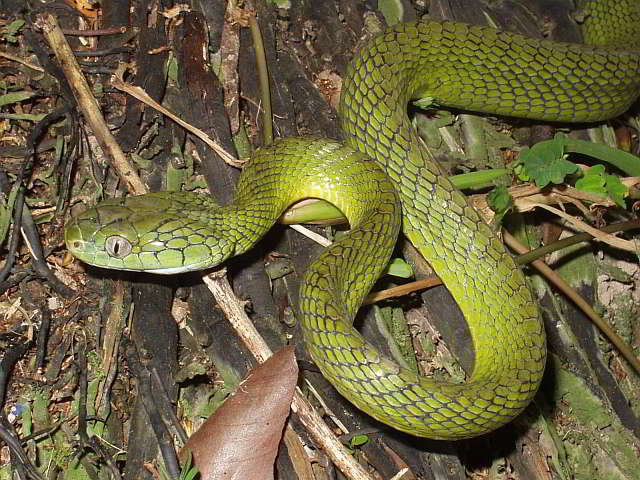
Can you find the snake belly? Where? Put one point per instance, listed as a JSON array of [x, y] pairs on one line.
[[461, 66]]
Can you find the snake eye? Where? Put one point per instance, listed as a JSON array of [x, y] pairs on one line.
[[118, 247]]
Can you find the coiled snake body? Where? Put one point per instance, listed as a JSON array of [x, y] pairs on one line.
[[473, 68]]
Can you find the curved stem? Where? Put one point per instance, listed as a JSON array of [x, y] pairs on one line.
[[263, 73], [532, 255], [564, 287]]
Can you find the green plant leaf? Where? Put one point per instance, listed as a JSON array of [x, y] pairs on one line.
[[15, 26], [480, 178], [545, 163], [596, 181], [358, 440], [500, 201], [392, 10], [617, 191], [399, 268], [425, 103], [626, 162], [15, 97], [592, 184], [188, 470], [6, 213]]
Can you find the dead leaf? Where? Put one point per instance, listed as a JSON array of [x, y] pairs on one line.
[[240, 440]]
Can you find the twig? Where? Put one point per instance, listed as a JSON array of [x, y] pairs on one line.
[[141, 95], [297, 454], [532, 255], [96, 33], [14, 58], [564, 287], [43, 336], [219, 286], [526, 196], [612, 240], [87, 103], [402, 290], [326, 408], [319, 239]]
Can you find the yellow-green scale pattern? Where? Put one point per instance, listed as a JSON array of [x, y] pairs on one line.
[[610, 23], [173, 232], [486, 70], [460, 66]]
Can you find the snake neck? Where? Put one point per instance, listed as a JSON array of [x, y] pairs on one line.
[[293, 169]]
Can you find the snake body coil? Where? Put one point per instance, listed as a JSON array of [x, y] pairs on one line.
[[473, 68]]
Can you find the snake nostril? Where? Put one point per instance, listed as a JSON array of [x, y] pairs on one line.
[[117, 246]]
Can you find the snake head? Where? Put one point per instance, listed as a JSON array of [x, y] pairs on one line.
[[151, 233]]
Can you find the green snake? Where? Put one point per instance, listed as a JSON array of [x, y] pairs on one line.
[[461, 66]]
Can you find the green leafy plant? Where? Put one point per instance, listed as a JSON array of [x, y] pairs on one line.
[[500, 201], [355, 442], [188, 470], [10, 32], [358, 440], [399, 268], [544, 163], [595, 180]]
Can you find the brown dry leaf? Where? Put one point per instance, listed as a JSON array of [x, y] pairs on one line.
[[240, 440]]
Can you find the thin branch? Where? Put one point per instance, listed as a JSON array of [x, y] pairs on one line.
[[14, 58], [564, 287], [219, 286], [612, 240], [87, 103], [138, 93], [572, 240]]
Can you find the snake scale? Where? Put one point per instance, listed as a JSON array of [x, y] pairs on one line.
[[461, 66]]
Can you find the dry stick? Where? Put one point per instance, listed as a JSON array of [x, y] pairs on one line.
[[401, 290], [564, 287], [297, 454], [96, 33], [87, 103], [219, 286], [612, 240], [140, 94], [532, 255], [17, 59]]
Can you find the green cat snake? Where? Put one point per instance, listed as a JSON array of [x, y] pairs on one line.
[[465, 67]]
